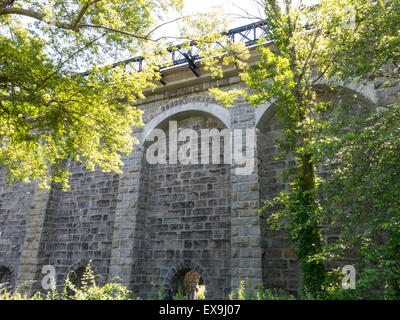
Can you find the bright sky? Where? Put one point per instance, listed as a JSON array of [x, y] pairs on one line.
[[240, 12], [236, 9]]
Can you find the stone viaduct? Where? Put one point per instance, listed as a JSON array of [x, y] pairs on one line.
[[156, 221]]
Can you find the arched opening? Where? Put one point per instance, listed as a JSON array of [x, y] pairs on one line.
[[187, 284], [279, 262], [184, 208], [6, 278], [76, 278], [218, 112]]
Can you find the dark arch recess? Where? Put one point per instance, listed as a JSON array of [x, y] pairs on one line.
[[6, 278]]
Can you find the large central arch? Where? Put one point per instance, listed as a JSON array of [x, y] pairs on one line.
[[183, 214], [215, 110]]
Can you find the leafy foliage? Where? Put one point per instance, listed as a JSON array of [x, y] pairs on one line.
[[49, 110], [334, 40], [361, 198], [179, 294], [366, 40], [245, 292], [89, 291], [285, 76], [158, 292]]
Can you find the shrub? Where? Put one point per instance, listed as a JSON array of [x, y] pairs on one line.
[[245, 292], [89, 291]]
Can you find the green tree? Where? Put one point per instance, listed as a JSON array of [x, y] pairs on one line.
[[311, 44], [360, 197], [49, 110], [285, 76], [367, 43]]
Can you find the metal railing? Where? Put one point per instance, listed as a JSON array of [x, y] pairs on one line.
[[181, 55]]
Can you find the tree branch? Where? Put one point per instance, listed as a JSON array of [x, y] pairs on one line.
[[309, 55], [69, 58], [163, 24], [34, 15], [83, 11], [66, 26], [99, 26]]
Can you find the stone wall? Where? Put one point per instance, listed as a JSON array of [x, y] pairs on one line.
[[15, 204], [79, 223], [153, 221], [187, 217], [280, 267]]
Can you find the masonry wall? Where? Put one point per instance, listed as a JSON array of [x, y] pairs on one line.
[[15, 202], [187, 218], [199, 217], [153, 221], [280, 267], [78, 225]]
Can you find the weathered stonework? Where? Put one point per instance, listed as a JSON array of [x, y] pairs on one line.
[[153, 221]]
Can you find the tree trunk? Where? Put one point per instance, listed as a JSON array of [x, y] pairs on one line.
[[309, 237]]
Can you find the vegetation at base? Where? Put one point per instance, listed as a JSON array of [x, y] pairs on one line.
[[245, 292], [179, 294], [89, 290], [157, 292]]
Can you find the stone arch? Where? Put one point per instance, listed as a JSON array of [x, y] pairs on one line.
[[185, 265], [184, 268], [276, 250], [366, 90], [78, 268], [183, 210], [133, 212], [261, 111], [212, 109], [7, 276]]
